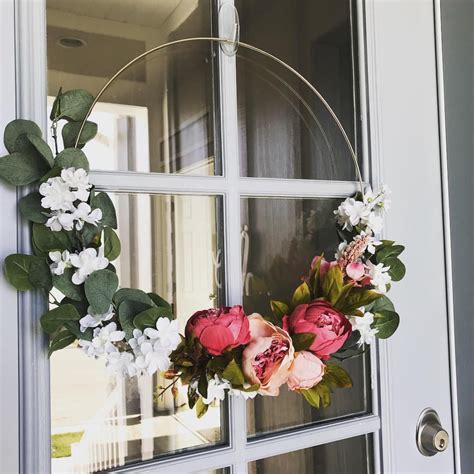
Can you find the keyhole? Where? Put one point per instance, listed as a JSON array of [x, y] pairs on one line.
[[442, 443]]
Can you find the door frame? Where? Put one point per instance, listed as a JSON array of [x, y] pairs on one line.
[[25, 33]]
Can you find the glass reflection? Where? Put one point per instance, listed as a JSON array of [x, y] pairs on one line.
[[349, 456], [280, 237], [172, 246]]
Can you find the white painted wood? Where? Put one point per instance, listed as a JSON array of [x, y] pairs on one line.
[[9, 393], [415, 369]]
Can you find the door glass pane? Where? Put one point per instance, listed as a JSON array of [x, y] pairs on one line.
[[280, 238], [172, 246], [349, 456], [159, 115], [285, 132]]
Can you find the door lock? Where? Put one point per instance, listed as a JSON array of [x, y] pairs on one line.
[[431, 438]]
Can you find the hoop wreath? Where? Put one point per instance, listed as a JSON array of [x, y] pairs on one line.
[[337, 309]]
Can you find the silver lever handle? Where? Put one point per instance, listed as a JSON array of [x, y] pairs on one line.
[[431, 438]]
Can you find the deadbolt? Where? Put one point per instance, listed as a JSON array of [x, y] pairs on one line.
[[431, 438]]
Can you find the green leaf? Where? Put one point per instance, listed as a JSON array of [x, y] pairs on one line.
[[72, 158], [34, 145], [100, 286], [160, 302], [343, 295], [303, 340], [397, 268], [21, 169], [318, 395], [70, 132], [279, 309], [30, 208], [40, 274], [233, 373], [55, 318], [131, 294], [64, 284], [127, 311], [301, 295], [336, 376], [55, 107], [75, 328], [332, 284], [380, 304], [112, 245], [201, 408], [16, 128], [148, 318], [52, 173], [91, 234], [74, 105], [47, 240], [203, 384], [357, 298], [388, 251], [17, 270], [103, 202], [60, 341], [193, 396], [386, 322], [81, 305]]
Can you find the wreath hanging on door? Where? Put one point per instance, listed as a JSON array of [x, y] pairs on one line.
[[336, 311]]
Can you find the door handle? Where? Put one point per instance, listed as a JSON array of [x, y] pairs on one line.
[[431, 438]]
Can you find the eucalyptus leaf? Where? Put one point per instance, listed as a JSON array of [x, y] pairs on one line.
[[127, 311], [17, 270], [52, 320], [65, 285], [74, 104], [47, 240], [81, 305], [40, 274], [386, 322], [388, 251], [148, 318], [21, 169], [72, 158], [55, 108], [103, 202], [100, 286], [75, 328], [380, 304], [30, 208], [35, 145], [91, 235], [112, 245], [131, 294], [160, 302], [397, 268], [60, 341], [70, 132], [16, 128]]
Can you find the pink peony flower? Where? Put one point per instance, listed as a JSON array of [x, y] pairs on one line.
[[306, 371], [219, 329], [331, 327], [324, 266], [268, 357]]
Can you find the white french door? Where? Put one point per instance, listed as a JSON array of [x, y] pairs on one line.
[[223, 169]]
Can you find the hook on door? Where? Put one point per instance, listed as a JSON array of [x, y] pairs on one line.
[[229, 28]]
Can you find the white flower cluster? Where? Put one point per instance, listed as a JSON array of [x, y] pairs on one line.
[[379, 276], [60, 195], [362, 324], [366, 214], [216, 390], [151, 348], [84, 263]]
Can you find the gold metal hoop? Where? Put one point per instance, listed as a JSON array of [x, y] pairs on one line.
[[235, 43]]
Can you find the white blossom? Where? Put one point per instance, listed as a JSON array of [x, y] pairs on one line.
[[167, 332], [155, 357], [216, 390], [379, 276], [86, 262], [242, 393], [57, 195], [373, 223], [363, 325], [102, 340], [340, 250], [60, 220], [84, 213], [350, 213], [92, 320], [60, 261], [78, 182], [121, 363]]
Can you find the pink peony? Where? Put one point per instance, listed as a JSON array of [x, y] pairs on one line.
[[268, 357], [219, 329], [331, 327], [324, 266], [306, 372]]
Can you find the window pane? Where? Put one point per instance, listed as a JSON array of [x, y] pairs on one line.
[[172, 246], [349, 456], [281, 237], [285, 132], [159, 115]]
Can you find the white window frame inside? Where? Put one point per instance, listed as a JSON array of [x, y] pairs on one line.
[[34, 385]]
